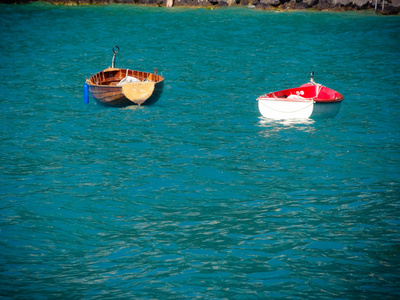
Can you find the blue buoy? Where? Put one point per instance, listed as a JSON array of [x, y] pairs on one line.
[[86, 93]]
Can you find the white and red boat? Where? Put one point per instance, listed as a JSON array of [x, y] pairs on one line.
[[311, 100]]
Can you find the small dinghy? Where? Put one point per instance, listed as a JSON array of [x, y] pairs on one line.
[[311, 100], [122, 87]]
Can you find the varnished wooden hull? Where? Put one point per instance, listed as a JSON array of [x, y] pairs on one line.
[[103, 87]]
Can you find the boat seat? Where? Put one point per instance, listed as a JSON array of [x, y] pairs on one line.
[[292, 96], [128, 79]]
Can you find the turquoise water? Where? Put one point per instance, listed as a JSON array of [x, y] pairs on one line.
[[198, 197]]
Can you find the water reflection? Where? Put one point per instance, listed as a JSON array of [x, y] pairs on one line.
[[133, 107], [270, 126]]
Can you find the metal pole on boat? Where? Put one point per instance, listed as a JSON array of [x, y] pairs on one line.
[[115, 49], [312, 78]]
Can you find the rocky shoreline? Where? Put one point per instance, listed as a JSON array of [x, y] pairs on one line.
[[385, 7]]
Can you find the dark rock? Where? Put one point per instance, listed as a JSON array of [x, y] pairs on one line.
[[225, 2], [336, 4], [289, 5], [310, 3], [301, 5], [396, 3], [323, 4], [64, 2], [361, 3], [145, 2], [341, 3], [199, 3], [391, 7], [126, 1], [267, 3], [16, 1]]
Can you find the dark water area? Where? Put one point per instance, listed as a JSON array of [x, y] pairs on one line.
[[198, 196]]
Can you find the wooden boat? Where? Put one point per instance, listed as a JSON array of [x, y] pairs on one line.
[[310, 100], [122, 87]]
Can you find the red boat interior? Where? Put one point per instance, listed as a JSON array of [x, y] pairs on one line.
[[308, 91]]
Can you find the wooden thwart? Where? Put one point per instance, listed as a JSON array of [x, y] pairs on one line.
[[138, 92]]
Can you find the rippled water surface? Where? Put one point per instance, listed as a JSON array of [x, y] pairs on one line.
[[198, 196]]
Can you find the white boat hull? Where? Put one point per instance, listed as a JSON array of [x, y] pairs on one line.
[[275, 109], [278, 110], [325, 110]]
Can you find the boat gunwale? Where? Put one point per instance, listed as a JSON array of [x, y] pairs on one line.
[[90, 80], [263, 98], [272, 97]]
